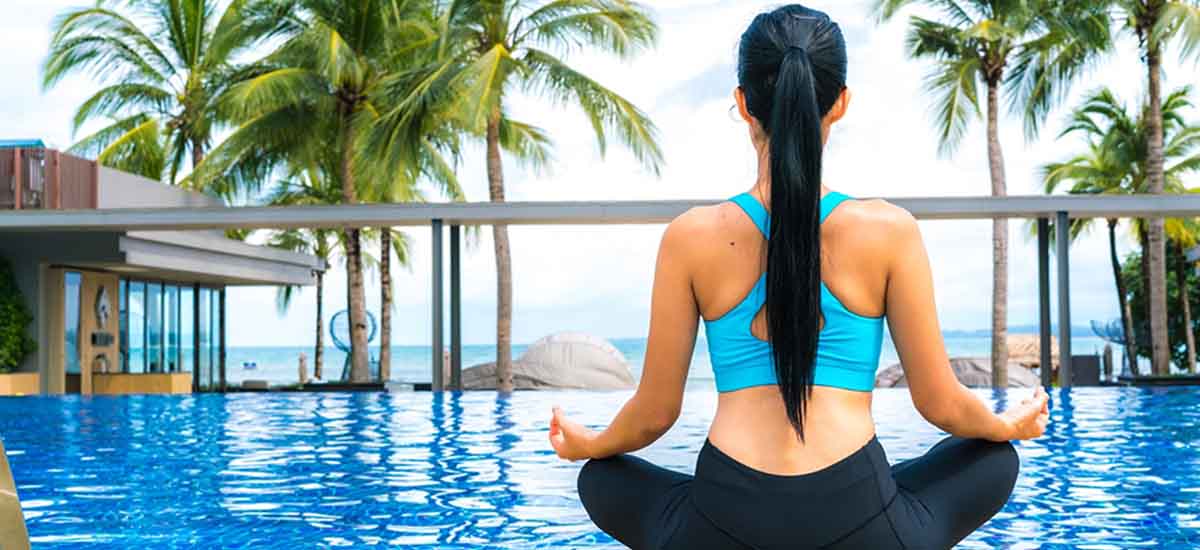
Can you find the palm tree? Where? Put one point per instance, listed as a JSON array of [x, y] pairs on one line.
[[492, 49], [307, 188], [324, 88], [1155, 24], [431, 167], [163, 64], [1116, 163], [1046, 43]]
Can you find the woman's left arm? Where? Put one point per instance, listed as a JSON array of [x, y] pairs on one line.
[[655, 405]]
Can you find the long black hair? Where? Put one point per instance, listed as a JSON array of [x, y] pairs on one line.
[[792, 69]]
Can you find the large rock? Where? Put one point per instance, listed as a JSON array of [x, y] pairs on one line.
[[973, 372], [1026, 350], [565, 360]]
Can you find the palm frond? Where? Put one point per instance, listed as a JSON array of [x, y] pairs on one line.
[[956, 100], [104, 44], [1180, 20], [115, 100], [606, 110], [928, 39], [619, 27]]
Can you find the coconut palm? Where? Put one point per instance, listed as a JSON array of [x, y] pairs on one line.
[[163, 64], [429, 165], [1046, 44], [491, 49], [1116, 163], [311, 188], [1098, 172], [323, 89], [1157, 24]]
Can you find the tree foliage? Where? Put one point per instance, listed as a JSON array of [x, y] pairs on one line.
[[1035, 49], [162, 64], [1131, 272], [15, 342]]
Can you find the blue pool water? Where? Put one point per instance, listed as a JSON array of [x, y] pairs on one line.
[[1119, 468]]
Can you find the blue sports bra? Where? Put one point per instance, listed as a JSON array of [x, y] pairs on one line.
[[848, 345]]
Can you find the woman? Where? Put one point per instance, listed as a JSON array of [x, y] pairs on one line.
[[793, 281]]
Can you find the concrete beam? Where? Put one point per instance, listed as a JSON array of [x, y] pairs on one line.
[[561, 213]]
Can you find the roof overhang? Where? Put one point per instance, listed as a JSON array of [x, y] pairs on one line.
[[214, 258], [177, 256]]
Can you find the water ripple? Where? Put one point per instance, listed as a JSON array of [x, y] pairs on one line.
[[1119, 468]]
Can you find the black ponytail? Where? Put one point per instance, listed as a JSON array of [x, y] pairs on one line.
[[792, 68]]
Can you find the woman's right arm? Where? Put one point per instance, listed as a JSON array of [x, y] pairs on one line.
[[936, 392]]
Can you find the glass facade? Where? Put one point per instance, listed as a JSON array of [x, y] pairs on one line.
[[171, 328], [123, 319], [154, 327], [137, 327], [71, 319], [187, 329], [207, 338]]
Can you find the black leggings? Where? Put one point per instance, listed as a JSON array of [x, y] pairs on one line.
[[930, 502]]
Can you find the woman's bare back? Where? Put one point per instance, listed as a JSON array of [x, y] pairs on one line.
[[728, 259]]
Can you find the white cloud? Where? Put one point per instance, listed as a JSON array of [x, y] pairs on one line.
[[598, 279]]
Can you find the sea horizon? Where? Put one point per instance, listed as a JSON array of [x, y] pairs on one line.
[[411, 363]]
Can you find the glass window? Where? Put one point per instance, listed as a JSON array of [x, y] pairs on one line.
[[204, 368], [171, 330], [123, 320], [74, 284], [154, 327], [137, 327], [218, 340], [187, 328]]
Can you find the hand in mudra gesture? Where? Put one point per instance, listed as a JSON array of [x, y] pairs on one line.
[[1028, 419]]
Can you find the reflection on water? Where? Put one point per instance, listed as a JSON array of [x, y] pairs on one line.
[[1118, 469]]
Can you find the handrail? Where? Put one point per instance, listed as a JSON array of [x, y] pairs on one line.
[[562, 213]]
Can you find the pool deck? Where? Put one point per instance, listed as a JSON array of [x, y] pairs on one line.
[[1173, 380]]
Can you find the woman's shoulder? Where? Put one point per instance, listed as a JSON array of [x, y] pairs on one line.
[[877, 212], [691, 234], [874, 225], [873, 216], [701, 220]]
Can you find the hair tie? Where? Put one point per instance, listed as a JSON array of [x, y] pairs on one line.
[[797, 49]]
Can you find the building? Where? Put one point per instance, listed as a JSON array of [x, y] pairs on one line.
[[123, 312]]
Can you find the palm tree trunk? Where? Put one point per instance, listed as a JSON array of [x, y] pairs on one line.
[[197, 152], [495, 169], [360, 368], [1160, 356], [1122, 299], [319, 353], [999, 243], [385, 307], [1181, 278]]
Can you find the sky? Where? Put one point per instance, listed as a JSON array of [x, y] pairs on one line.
[[597, 279]]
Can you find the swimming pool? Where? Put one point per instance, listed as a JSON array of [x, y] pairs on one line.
[[1119, 468]]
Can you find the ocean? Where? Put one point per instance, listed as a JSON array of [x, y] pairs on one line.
[[278, 365]]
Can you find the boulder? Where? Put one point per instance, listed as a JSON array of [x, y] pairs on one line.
[[973, 372], [1026, 350], [565, 360]]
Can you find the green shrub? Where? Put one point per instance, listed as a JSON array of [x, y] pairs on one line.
[[15, 342]]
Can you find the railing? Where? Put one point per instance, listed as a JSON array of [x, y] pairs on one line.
[[36, 178], [1061, 209]]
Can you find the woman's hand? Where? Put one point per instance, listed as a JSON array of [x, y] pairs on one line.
[[570, 439], [1028, 419]]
